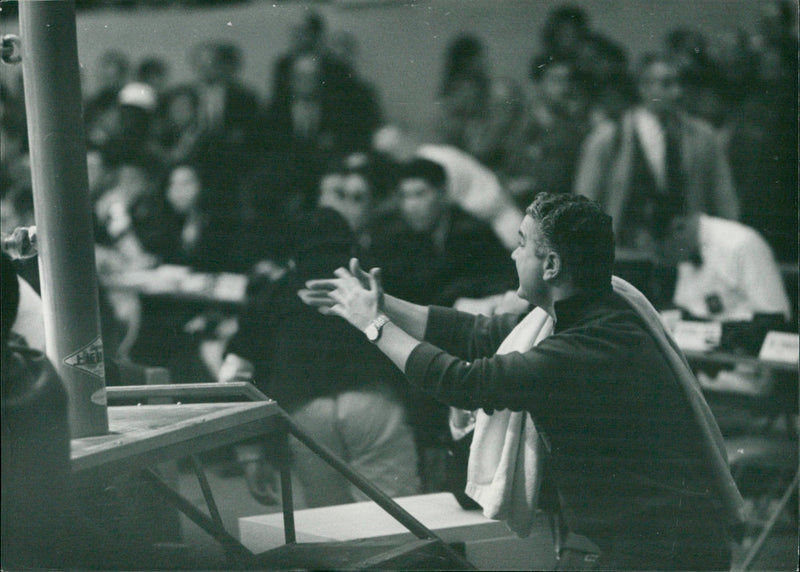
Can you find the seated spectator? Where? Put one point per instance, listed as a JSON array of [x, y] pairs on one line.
[[118, 210], [462, 256], [655, 151], [347, 188], [470, 185], [726, 270], [433, 252], [148, 228], [111, 75], [331, 380], [186, 229]]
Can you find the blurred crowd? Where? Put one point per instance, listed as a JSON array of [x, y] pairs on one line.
[[211, 175]]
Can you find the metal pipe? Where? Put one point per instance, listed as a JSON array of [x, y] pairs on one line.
[[62, 209]]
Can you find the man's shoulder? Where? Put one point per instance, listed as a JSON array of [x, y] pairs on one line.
[[729, 234]]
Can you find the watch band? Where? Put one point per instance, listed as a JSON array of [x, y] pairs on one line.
[[373, 330]]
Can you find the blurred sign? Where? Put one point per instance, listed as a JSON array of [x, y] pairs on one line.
[[697, 336], [781, 346]]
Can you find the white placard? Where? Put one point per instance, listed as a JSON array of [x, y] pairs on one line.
[[781, 346], [697, 336]]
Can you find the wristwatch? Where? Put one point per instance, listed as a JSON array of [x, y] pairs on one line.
[[373, 330]]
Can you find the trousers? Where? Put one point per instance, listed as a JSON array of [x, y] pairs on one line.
[[367, 429]]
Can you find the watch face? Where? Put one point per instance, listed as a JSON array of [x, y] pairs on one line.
[[372, 332]]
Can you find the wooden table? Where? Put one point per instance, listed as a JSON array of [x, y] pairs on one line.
[[141, 436]]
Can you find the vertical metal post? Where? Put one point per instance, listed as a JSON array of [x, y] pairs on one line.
[[62, 209]]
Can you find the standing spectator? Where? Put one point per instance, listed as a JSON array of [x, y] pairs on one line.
[[228, 117], [703, 82], [154, 71], [564, 31], [464, 92], [556, 127], [655, 153], [482, 116], [762, 136], [316, 116], [602, 68], [308, 37]]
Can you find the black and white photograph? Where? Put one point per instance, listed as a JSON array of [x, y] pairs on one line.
[[399, 285]]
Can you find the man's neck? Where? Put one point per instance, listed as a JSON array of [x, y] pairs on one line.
[[557, 294]]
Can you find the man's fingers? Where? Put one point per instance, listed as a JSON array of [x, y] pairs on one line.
[[374, 280], [322, 284], [315, 298], [358, 272]]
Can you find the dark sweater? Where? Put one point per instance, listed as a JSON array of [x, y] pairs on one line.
[[625, 458]]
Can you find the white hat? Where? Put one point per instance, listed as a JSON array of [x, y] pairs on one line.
[[138, 95]]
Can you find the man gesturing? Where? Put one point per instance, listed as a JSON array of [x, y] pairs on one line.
[[635, 461]]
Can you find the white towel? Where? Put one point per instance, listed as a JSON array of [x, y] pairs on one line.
[[504, 469]]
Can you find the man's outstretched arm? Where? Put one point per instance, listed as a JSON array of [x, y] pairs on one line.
[[357, 297]]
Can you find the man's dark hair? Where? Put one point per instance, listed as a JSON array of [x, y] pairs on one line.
[[10, 298], [151, 68], [666, 209], [580, 232], [425, 169]]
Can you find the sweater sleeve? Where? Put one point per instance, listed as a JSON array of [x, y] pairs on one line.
[[551, 373], [466, 335]]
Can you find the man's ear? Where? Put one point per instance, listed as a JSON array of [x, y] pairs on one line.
[[552, 266]]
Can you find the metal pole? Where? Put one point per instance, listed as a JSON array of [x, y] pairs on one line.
[[62, 208]]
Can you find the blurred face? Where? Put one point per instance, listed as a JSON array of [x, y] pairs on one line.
[[679, 244], [305, 78], [659, 87], [184, 189], [349, 195], [421, 204], [556, 83], [111, 73], [206, 65], [182, 110], [466, 97]]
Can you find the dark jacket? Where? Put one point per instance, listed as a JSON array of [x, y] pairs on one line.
[[298, 353], [471, 261]]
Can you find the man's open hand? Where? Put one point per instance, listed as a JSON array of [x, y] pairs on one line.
[[353, 294]]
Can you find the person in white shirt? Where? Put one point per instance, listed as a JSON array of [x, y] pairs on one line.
[[726, 270]]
